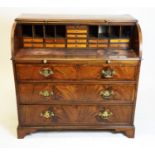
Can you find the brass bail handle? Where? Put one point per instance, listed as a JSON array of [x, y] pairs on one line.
[[105, 114], [106, 94], [46, 93], [46, 72], [108, 73], [47, 114]]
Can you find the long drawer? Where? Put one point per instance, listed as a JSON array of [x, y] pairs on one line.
[[48, 115], [73, 72], [48, 93]]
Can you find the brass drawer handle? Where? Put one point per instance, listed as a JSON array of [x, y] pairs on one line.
[[106, 94], [47, 114], [105, 114], [46, 93], [108, 73], [46, 72]]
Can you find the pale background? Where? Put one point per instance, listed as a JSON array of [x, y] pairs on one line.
[[81, 142]]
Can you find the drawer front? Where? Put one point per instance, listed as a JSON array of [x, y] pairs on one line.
[[25, 39], [45, 72], [76, 40], [119, 40], [54, 40], [35, 40], [37, 45], [102, 45], [119, 45], [92, 46], [54, 93], [93, 41], [76, 36], [76, 31], [55, 45], [74, 115], [49, 45], [76, 45], [102, 40], [38, 40], [73, 72], [28, 44], [98, 41]]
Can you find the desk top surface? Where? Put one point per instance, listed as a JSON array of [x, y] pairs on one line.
[[74, 18]]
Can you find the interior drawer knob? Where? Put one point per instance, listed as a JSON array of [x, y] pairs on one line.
[[105, 114], [106, 94], [47, 114], [46, 72], [46, 93], [108, 73]]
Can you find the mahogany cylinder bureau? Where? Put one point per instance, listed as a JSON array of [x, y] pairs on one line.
[[76, 72]]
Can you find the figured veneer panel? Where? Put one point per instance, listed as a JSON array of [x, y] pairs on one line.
[[54, 93], [74, 114], [32, 72], [95, 72], [71, 72]]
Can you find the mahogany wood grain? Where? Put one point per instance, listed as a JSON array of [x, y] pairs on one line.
[[115, 55], [79, 19], [74, 72], [75, 115], [30, 93]]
